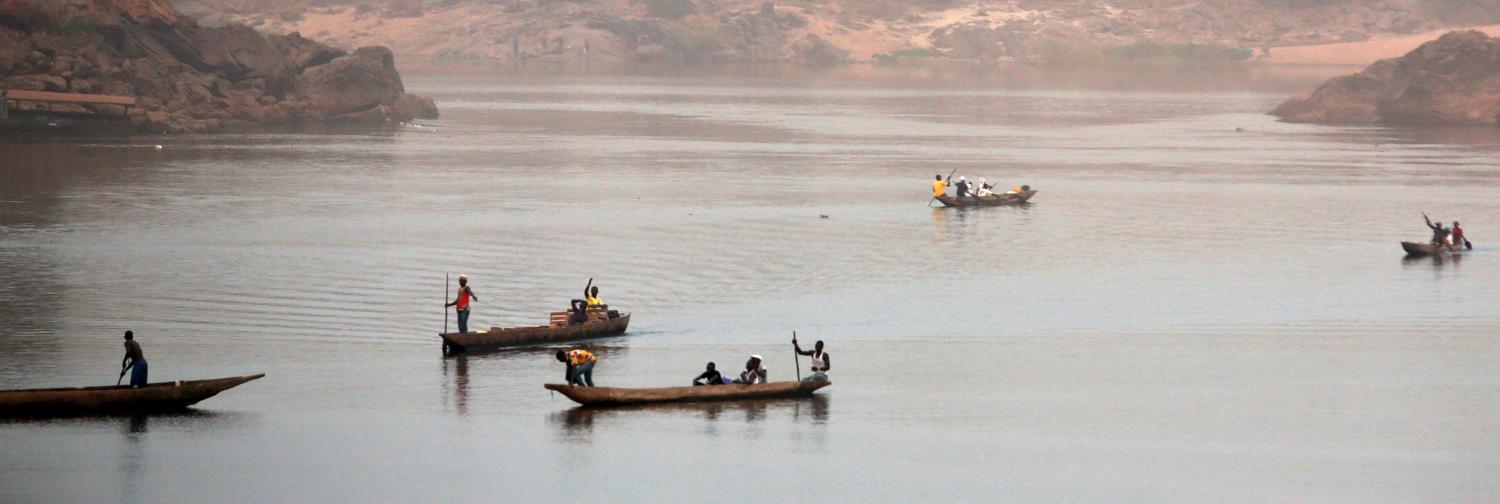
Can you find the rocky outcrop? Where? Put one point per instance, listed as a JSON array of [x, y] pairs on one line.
[[190, 78], [1454, 80]]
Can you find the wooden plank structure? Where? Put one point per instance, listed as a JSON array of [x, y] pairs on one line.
[[48, 98]]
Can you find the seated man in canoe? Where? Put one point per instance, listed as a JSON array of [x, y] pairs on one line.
[[710, 376], [985, 188], [134, 362], [1018, 190], [580, 364], [590, 299], [754, 372], [820, 361]]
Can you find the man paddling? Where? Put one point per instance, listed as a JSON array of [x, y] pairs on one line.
[[1458, 236], [819, 360], [580, 364], [963, 187], [939, 187], [134, 361], [461, 304], [1440, 234]]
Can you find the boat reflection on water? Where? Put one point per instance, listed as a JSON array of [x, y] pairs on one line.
[[577, 424], [456, 386], [1437, 261]]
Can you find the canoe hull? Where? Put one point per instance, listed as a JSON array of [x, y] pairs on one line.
[[537, 335], [1421, 249], [617, 396], [987, 201], [123, 400]]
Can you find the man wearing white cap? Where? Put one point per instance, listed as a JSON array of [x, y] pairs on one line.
[[963, 187], [465, 294], [754, 372]]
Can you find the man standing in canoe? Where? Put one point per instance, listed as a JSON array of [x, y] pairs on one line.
[[819, 361], [134, 361], [461, 304], [939, 187], [1440, 234], [580, 364], [963, 187]]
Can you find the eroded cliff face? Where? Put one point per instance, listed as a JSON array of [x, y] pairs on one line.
[[1454, 80], [189, 78]]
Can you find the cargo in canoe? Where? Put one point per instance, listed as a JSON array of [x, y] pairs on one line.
[[113, 400], [991, 200], [1421, 249], [601, 322], [617, 396]]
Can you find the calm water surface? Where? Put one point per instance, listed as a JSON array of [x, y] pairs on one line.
[[1186, 313]]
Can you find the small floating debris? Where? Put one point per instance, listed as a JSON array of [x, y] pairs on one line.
[[823, 216]]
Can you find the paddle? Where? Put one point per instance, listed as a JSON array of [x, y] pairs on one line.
[[945, 181], [445, 302], [1468, 245], [122, 376], [796, 359]]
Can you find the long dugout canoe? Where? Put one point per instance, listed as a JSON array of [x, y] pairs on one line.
[[618, 396], [497, 337], [114, 400], [1421, 249], [1000, 199]]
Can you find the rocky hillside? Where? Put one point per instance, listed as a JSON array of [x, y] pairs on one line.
[[190, 78], [829, 31], [1454, 80]]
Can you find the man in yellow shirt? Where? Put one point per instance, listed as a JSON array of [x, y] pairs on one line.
[[592, 296], [939, 187], [580, 364]]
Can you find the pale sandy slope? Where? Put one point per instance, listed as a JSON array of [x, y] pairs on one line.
[[1359, 53]]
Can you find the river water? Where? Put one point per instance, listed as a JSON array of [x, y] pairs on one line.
[[1201, 304]]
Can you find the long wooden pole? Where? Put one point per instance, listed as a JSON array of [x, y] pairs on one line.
[[797, 359], [445, 302]]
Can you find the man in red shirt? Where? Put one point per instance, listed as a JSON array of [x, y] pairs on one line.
[[465, 294]]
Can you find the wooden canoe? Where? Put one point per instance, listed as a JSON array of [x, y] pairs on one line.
[[599, 325], [1001, 199], [617, 396], [113, 400], [1424, 248]]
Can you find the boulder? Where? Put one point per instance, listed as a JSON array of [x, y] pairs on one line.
[[411, 106], [1454, 80], [353, 83]]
